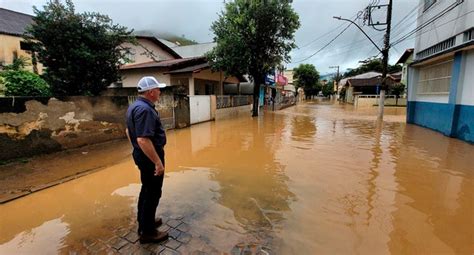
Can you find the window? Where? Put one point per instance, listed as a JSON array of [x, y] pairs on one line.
[[469, 35], [444, 45], [435, 79], [428, 4], [209, 89]]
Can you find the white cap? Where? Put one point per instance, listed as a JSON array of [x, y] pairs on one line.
[[149, 82]]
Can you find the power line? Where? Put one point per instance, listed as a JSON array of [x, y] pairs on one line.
[[409, 14], [422, 33], [322, 36], [431, 20], [354, 18], [324, 45], [399, 30], [352, 44], [407, 18]]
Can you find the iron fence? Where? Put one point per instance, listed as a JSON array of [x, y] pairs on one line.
[[232, 101]]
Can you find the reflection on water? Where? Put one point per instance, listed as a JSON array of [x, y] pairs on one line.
[[47, 239], [87, 205], [315, 178]]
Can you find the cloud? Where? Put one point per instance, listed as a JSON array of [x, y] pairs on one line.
[[193, 18]]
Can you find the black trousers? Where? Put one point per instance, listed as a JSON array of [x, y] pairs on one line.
[[150, 192]]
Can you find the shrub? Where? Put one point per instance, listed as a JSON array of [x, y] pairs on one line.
[[24, 83]]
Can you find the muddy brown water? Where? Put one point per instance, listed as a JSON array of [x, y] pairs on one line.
[[311, 179]]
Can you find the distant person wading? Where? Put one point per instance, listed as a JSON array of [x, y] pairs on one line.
[[148, 138]]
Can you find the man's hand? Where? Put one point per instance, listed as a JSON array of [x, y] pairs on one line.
[[147, 147], [159, 169]]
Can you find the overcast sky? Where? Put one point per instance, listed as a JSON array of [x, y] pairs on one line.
[[193, 18]]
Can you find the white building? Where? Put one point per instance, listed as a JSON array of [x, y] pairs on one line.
[[441, 78]]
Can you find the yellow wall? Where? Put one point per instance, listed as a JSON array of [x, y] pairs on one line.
[[131, 77], [207, 74], [8, 45]]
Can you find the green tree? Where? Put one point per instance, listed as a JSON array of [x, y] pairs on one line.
[[328, 89], [372, 64], [253, 36], [307, 76], [397, 89], [81, 52]]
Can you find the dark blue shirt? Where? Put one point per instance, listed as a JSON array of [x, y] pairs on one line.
[[144, 121]]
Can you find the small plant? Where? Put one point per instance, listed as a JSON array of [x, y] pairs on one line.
[[23, 83]]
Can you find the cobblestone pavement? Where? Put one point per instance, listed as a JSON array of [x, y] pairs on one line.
[[181, 240]]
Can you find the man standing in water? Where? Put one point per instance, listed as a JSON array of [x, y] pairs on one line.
[[148, 138]]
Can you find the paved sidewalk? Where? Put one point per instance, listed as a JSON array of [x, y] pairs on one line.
[[182, 240]]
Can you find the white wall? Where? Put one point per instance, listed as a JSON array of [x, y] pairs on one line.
[[456, 22], [466, 81], [433, 98]]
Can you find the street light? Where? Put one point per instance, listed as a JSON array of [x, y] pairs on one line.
[[339, 18], [384, 54]]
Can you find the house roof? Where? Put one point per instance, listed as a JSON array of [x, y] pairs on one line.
[[14, 23], [195, 50], [370, 79], [159, 43], [199, 67], [375, 81], [405, 56], [170, 63], [168, 43], [396, 76], [367, 75], [191, 69]]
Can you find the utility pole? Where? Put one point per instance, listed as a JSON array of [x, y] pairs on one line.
[[385, 49], [337, 74], [337, 79], [385, 52]]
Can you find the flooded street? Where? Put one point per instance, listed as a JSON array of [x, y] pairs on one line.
[[310, 179]]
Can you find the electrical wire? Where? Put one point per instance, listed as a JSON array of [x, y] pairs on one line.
[[424, 32], [321, 49], [428, 22]]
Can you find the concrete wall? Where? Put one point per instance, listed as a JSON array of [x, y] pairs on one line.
[[30, 126], [466, 91], [453, 113], [10, 44], [233, 111], [182, 112], [452, 23], [369, 102]]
